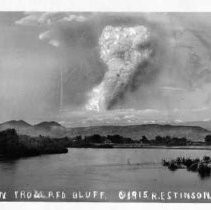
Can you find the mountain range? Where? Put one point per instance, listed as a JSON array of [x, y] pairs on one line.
[[195, 131], [51, 128]]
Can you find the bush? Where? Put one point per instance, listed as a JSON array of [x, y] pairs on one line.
[[208, 139]]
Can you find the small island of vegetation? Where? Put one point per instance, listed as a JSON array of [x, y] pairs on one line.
[[202, 166]]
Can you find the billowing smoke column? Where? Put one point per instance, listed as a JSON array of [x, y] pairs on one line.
[[123, 49]]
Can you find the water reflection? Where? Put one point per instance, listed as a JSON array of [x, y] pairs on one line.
[[7, 163]]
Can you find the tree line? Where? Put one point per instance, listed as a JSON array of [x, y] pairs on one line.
[[14, 145], [117, 139]]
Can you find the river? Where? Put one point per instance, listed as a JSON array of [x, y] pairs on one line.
[[108, 170]]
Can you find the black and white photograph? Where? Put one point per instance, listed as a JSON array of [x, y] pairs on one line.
[[105, 106]]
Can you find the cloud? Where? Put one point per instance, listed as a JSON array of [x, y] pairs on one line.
[[44, 35], [171, 89], [28, 20], [78, 18], [117, 117], [49, 18], [54, 43]]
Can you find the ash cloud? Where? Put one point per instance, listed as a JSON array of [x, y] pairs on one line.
[[123, 50]]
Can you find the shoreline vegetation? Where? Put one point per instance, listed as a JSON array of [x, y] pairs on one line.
[[117, 141], [15, 145], [202, 166]]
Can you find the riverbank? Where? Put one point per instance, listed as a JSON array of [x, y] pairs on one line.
[[163, 147], [135, 146], [13, 145]]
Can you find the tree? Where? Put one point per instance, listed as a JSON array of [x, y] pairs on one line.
[[116, 139], [94, 139], [208, 139], [144, 140]]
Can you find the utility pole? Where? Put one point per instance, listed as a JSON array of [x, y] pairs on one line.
[[61, 91]]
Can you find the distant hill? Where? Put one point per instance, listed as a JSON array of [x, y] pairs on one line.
[[203, 124], [51, 128], [15, 124], [194, 133], [54, 129], [48, 125]]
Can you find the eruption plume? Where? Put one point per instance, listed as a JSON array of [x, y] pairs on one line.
[[123, 49]]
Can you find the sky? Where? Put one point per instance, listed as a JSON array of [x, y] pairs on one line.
[[166, 77]]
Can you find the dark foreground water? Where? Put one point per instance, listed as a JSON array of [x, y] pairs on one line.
[[113, 171]]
